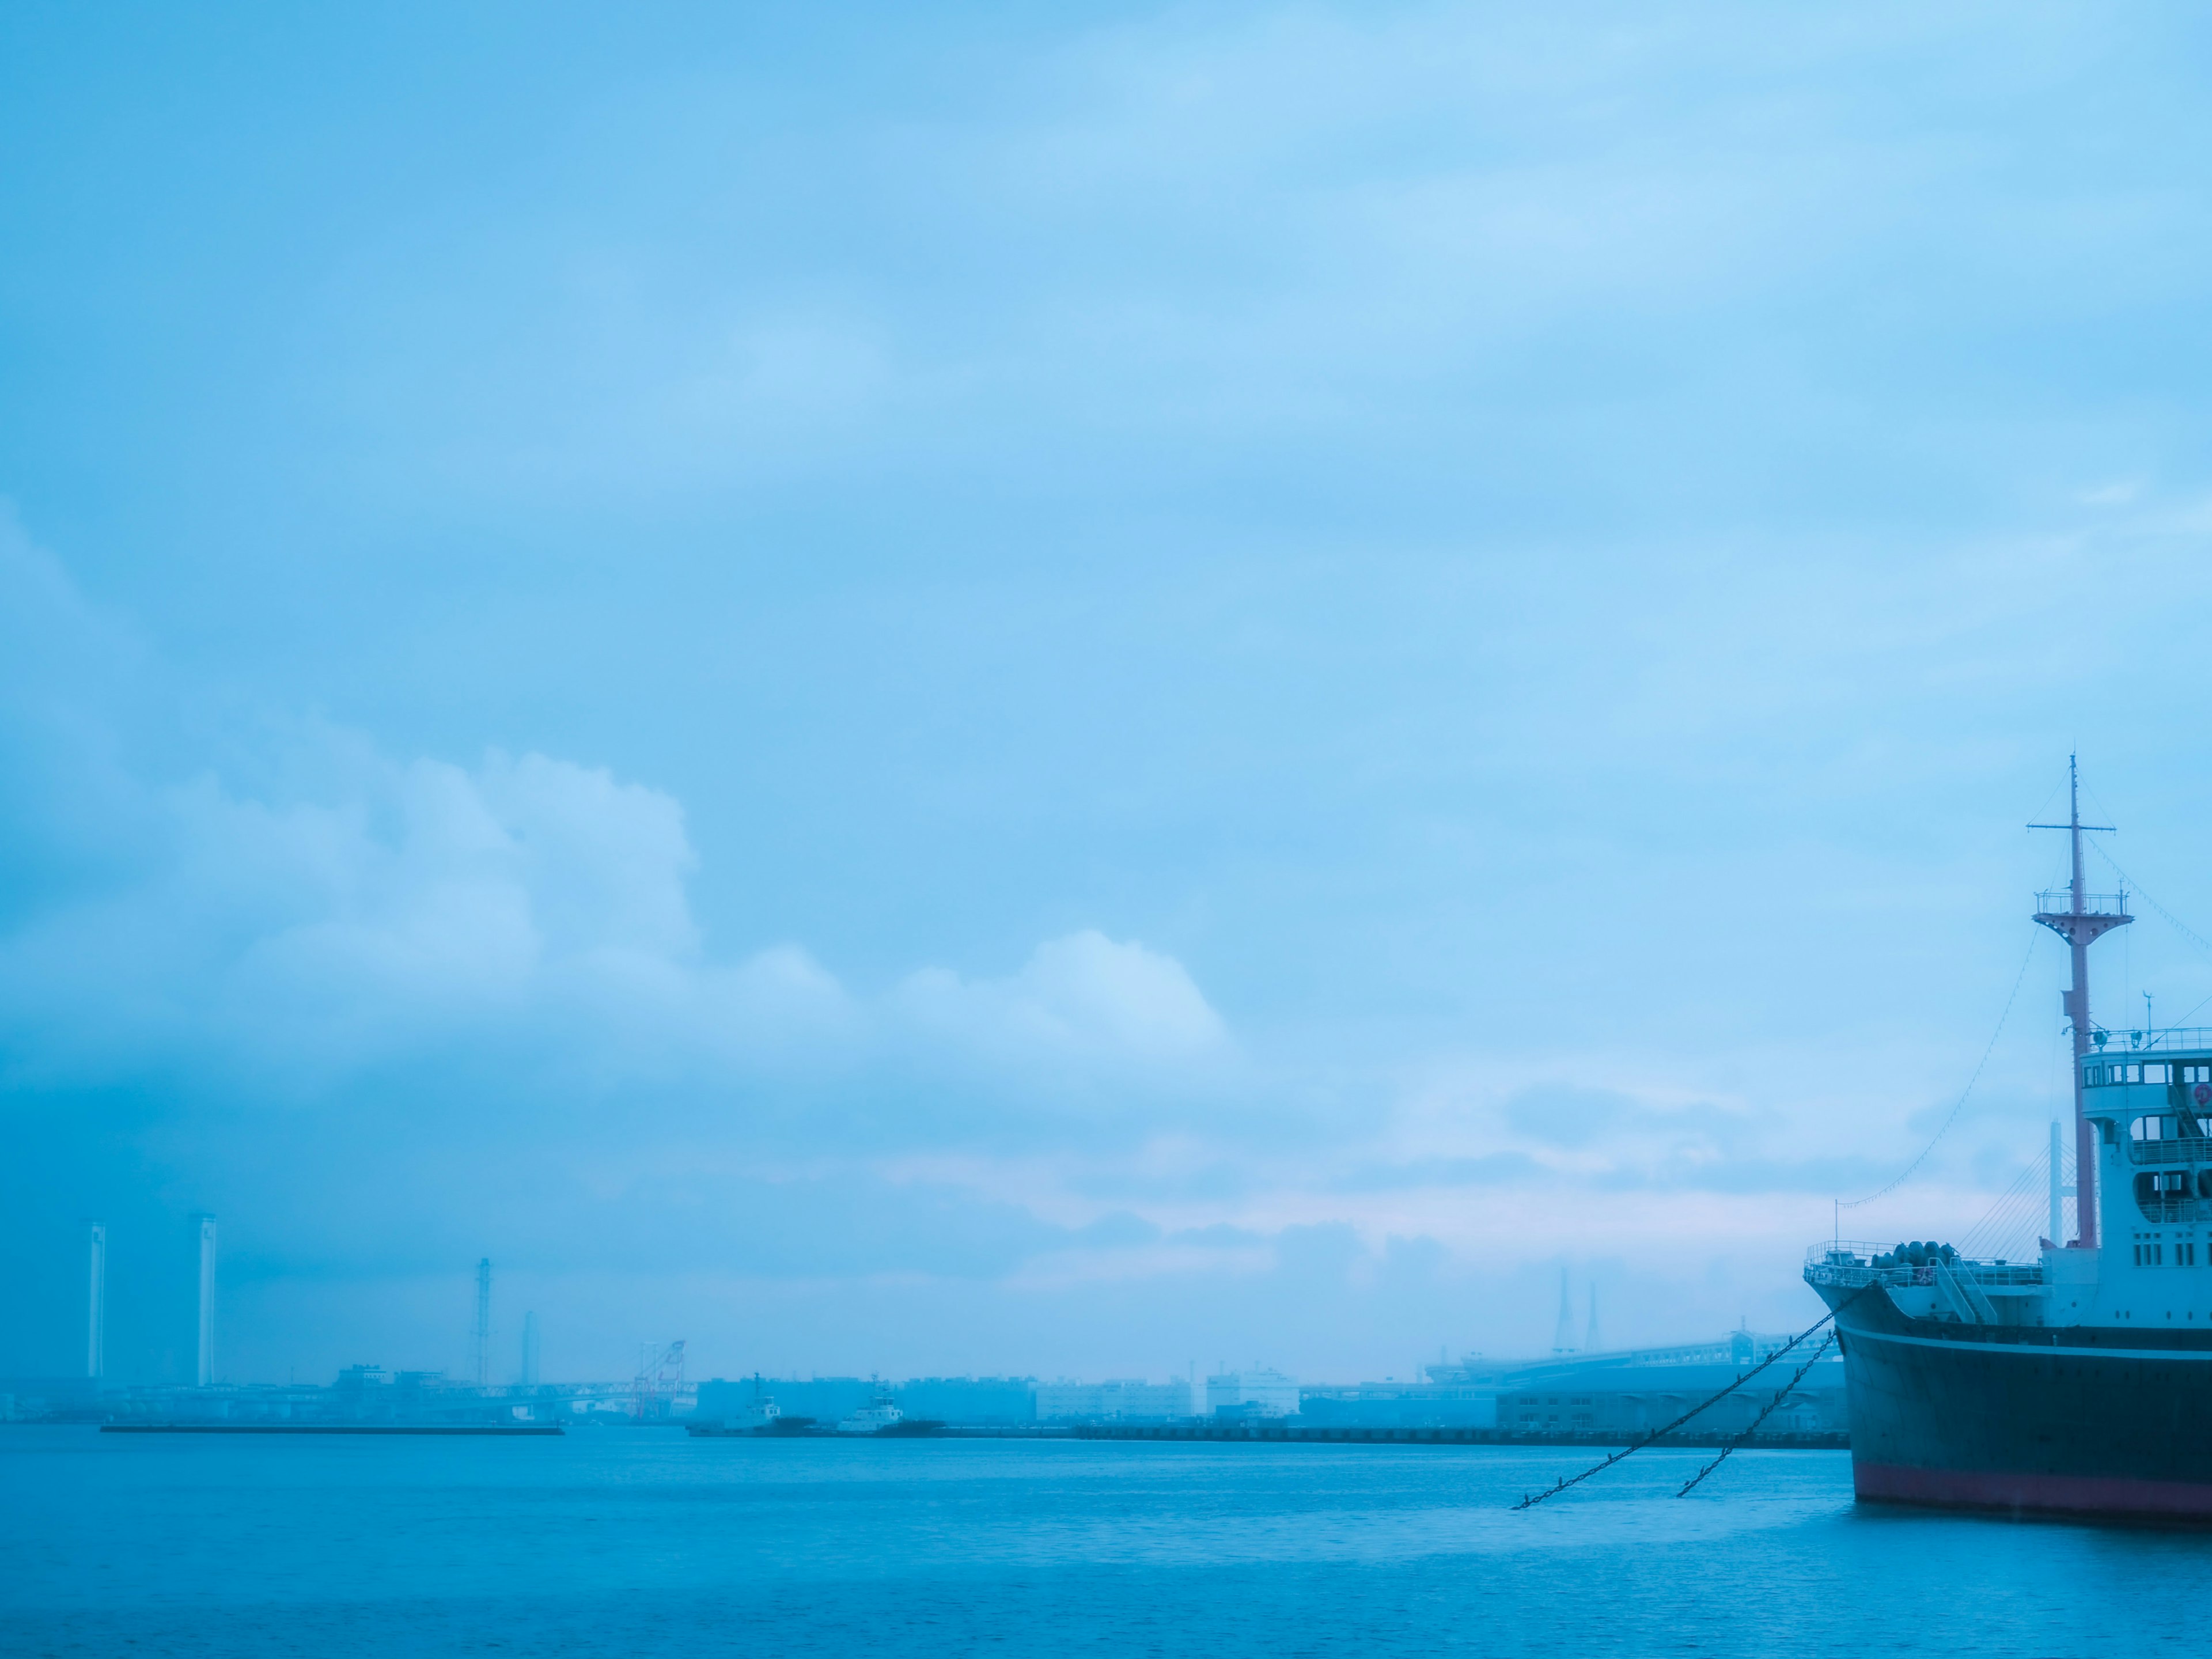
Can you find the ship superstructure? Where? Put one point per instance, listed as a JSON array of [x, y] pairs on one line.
[[2078, 1382]]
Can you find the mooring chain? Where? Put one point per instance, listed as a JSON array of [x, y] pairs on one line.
[[1661, 1434], [1826, 1343]]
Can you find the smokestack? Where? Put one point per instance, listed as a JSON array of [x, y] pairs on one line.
[[95, 1342], [484, 1323], [1563, 1334], [206, 1375], [530, 1351]]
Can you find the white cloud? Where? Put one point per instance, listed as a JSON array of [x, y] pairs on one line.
[[1081, 996], [350, 910]]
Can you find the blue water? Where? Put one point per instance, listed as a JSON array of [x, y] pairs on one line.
[[633, 1542]]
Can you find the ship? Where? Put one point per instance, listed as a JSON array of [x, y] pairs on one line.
[[2077, 1383], [882, 1417], [763, 1416]]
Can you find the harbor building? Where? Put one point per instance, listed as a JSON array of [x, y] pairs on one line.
[[1629, 1391]]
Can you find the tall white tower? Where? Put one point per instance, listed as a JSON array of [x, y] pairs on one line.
[[1592, 1344], [95, 1339], [2056, 1235], [206, 1375], [1563, 1335], [484, 1323]]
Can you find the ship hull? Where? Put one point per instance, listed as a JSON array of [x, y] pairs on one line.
[[2102, 1421]]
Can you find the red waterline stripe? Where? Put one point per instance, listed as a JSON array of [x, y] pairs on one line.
[[2000, 1489]]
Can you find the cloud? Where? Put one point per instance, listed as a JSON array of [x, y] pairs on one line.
[[344, 912], [527, 901], [386, 1012], [1080, 996], [382, 1011]]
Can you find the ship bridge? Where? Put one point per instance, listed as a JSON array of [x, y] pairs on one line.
[[2150, 1093]]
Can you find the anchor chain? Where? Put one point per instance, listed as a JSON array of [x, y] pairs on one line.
[[1530, 1502], [1826, 1343]]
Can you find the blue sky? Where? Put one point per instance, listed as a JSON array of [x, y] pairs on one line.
[[1068, 688]]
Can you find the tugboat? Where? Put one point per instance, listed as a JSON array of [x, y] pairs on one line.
[[2077, 1384], [763, 1416], [881, 1417]]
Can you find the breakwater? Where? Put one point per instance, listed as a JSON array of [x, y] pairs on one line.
[[474, 1428]]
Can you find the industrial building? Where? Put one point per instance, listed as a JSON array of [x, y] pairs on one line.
[[1260, 1392], [1118, 1400]]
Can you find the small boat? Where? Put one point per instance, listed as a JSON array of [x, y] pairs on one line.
[[763, 1416], [877, 1416], [883, 1419]]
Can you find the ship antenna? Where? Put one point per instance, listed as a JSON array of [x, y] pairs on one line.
[[2084, 919]]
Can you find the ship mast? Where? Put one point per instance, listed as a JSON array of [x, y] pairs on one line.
[[2085, 918]]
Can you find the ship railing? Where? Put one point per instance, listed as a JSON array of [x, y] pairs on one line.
[[1849, 1263], [2059, 902], [2162, 1039], [2182, 1149]]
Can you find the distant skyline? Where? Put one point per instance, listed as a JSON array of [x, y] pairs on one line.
[[963, 692]]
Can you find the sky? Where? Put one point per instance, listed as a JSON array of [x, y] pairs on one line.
[[1067, 691]]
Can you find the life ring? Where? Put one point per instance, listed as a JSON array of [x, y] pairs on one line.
[[2204, 1094]]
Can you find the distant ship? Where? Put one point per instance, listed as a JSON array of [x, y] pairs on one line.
[[881, 1416], [763, 1416], [2078, 1383]]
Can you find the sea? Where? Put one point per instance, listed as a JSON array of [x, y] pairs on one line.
[[643, 1542]]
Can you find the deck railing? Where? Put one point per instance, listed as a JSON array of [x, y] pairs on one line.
[[2169, 1039], [1851, 1263], [2182, 1149], [2059, 902]]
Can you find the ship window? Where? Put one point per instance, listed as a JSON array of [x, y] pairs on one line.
[[2159, 1073], [2134, 1073]]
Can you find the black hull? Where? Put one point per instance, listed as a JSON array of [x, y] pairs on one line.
[[2070, 1420]]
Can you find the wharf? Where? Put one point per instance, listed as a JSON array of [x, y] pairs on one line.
[[506, 1428], [1339, 1435]]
